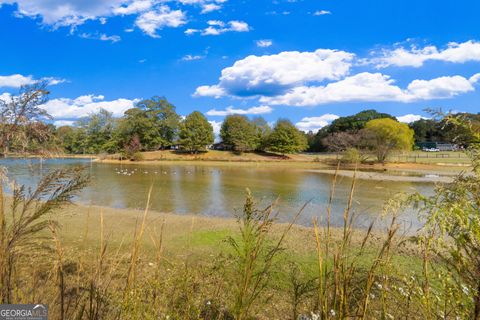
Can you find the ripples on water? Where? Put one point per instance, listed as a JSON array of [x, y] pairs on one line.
[[220, 190]]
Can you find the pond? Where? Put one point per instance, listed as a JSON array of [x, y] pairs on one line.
[[219, 190]]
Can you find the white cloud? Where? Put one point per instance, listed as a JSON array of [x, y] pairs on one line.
[[209, 7], [238, 26], [372, 87], [15, 81], [475, 78], [53, 81], [60, 13], [416, 57], [216, 23], [211, 31], [209, 91], [190, 31], [315, 123], [152, 15], [18, 80], [5, 97], [64, 108], [151, 21], [232, 110], [101, 37], [409, 118], [264, 43], [217, 126], [112, 38], [190, 57], [217, 27], [275, 74], [61, 123], [134, 7], [321, 12], [439, 88]]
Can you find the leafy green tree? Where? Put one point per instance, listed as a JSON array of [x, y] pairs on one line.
[[164, 119], [357, 121], [154, 121], [286, 138], [426, 130], [239, 134], [441, 130], [99, 130], [386, 135], [135, 122], [263, 130], [452, 221], [350, 124], [196, 133]]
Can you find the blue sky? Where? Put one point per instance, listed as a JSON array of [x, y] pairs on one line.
[[309, 61]]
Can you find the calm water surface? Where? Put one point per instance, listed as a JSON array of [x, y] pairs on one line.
[[220, 190]]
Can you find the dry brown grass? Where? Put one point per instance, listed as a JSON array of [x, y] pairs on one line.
[[126, 264]]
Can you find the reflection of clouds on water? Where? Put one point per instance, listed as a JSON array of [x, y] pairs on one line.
[[220, 190]]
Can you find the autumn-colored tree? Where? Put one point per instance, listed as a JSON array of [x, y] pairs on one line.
[[19, 113]]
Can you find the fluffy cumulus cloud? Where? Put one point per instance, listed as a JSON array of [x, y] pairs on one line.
[[209, 91], [232, 110], [271, 75], [409, 118], [68, 109], [416, 57], [316, 123], [15, 80], [151, 21], [373, 87], [326, 76], [18, 80]]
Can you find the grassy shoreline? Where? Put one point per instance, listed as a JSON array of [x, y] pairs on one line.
[[145, 262], [411, 160], [199, 236]]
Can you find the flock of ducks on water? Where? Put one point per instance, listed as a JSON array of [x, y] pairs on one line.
[[128, 172]]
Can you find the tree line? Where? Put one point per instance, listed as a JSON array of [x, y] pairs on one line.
[[349, 130], [153, 124]]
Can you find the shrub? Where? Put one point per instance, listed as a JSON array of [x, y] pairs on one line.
[[137, 156], [351, 155]]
